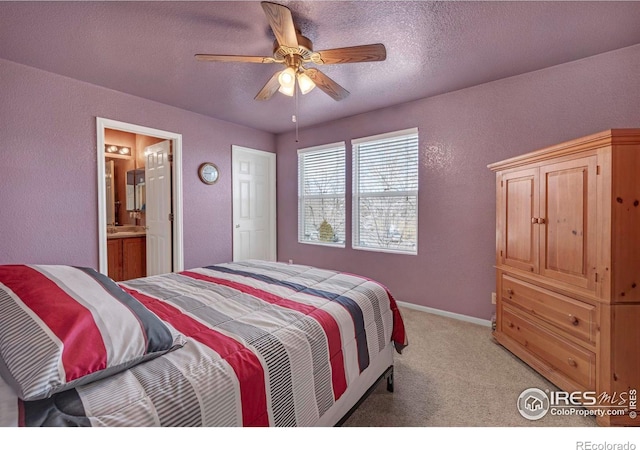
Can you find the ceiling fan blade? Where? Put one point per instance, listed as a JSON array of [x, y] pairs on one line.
[[326, 84], [281, 23], [360, 53], [236, 58], [270, 88]]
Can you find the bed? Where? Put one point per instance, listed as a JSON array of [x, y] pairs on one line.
[[253, 343]]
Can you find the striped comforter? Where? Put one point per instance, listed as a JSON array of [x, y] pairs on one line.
[[268, 344]]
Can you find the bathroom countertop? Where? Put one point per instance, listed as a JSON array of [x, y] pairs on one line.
[[125, 231], [126, 234]]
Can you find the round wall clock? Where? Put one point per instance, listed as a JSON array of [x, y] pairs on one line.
[[208, 173]]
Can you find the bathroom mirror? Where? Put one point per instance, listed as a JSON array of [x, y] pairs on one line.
[[135, 190], [110, 197], [124, 179]]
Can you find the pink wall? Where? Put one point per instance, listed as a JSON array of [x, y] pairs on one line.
[[460, 133], [48, 168]]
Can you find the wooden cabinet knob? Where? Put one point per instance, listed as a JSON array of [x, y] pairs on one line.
[[510, 291], [574, 320], [572, 362], [540, 220], [534, 220], [509, 324]]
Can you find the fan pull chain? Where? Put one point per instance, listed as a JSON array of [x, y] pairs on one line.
[[294, 118]]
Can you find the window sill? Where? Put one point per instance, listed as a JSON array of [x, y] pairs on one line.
[[385, 250], [323, 244]]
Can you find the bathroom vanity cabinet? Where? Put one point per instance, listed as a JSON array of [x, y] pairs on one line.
[[127, 257]]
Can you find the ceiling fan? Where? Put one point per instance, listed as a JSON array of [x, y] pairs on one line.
[[294, 51]]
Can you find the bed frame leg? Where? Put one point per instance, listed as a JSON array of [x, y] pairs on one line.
[[390, 379]]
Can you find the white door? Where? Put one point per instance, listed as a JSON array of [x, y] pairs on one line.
[[254, 204], [157, 174]]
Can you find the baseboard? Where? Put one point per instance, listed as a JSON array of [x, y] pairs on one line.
[[440, 312]]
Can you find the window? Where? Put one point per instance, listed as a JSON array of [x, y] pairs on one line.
[[385, 192], [321, 189]]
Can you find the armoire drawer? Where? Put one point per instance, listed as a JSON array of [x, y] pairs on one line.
[[572, 361], [570, 315]]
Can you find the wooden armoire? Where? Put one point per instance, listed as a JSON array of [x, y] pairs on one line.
[[568, 266]]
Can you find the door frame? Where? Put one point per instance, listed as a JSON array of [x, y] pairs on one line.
[[176, 177], [273, 235]]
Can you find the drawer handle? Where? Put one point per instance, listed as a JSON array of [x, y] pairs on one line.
[[572, 362], [509, 324], [574, 320], [510, 291]]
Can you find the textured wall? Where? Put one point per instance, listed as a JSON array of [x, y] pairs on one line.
[[460, 133], [48, 167]]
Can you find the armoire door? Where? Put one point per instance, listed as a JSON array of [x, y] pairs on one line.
[[520, 205], [568, 221]]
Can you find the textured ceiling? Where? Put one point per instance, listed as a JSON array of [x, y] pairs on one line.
[[147, 48]]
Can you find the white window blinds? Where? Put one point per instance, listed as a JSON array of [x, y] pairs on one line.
[[385, 192], [321, 192]]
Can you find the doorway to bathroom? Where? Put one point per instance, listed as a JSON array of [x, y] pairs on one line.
[[139, 200]]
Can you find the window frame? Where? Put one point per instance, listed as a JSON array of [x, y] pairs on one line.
[[341, 145], [356, 195]]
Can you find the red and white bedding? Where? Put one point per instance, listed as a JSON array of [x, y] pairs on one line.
[[266, 344]]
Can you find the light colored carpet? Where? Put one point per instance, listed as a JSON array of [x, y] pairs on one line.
[[453, 374]]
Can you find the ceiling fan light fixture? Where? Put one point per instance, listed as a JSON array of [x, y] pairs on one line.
[[287, 90], [306, 83], [287, 78]]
